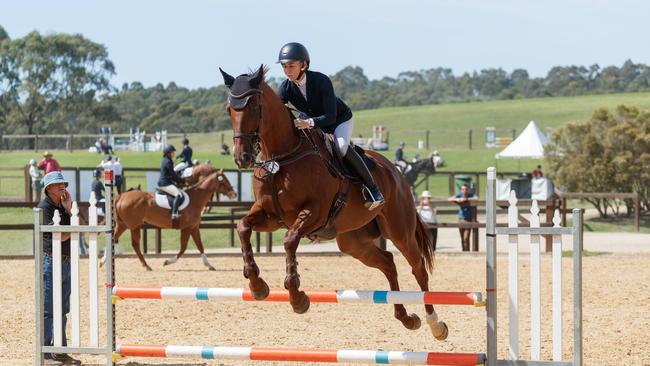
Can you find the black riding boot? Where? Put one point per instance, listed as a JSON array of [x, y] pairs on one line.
[[375, 198], [175, 204]]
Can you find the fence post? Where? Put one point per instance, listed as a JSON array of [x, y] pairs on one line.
[[144, 241], [428, 133], [77, 181], [452, 190], [637, 214], [29, 192], [491, 264], [269, 242], [470, 139], [158, 241]]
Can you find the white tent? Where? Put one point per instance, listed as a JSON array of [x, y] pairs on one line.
[[528, 145]]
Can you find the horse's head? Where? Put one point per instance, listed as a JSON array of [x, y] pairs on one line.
[[200, 171], [245, 110], [217, 182]]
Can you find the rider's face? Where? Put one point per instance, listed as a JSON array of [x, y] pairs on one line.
[[292, 69]]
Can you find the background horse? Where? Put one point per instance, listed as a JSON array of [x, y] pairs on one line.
[[422, 166], [294, 188], [134, 208]]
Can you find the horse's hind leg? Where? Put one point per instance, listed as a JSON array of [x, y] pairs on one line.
[[185, 237], [135, 243], [359, 244], [196, 236], [407, 243]]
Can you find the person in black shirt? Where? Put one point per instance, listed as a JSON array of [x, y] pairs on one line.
[[56, 197], [312, 94], [168, 177], [185, 156], [97, 186]]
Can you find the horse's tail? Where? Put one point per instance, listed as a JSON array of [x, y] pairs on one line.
[[424, 243], [116, 212]]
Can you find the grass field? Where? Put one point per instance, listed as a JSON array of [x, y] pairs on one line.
[[449, 125]]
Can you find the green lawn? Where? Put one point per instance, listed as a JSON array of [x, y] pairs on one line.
[[449, 125]]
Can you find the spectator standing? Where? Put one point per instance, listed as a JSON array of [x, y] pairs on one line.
[[49, 164], [56, 197], [106, 164], [36, 176], [466, 199], [117, 172], [537, 173], [97, 185], [428, 215]]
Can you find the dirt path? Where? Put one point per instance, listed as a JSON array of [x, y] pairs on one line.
[[616, 310]]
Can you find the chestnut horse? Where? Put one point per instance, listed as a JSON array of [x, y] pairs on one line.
[[304, 192], [134, 208]]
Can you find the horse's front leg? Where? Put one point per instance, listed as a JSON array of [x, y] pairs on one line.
[[258, 220], [303, 225]]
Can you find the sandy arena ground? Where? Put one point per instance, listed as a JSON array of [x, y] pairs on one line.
[[616, 309]]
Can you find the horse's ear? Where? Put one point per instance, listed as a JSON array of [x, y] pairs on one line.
[[221, 171], [227, 79], [256, 78]]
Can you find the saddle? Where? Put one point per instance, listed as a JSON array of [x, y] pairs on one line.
[[164, 200], [338, 168]]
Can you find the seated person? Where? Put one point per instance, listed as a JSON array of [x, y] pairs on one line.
[[168, 177], [437, 159]]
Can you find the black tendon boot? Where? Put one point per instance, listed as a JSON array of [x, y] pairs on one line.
[[374, 198], [175, 204]]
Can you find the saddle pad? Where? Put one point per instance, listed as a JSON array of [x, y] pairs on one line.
[[187, 172], [162, 200]]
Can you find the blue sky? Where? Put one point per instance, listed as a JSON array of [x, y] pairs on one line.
[[186, 41]]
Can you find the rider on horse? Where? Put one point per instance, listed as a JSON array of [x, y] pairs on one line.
[[168, 177], [185, 156], [312, 94]]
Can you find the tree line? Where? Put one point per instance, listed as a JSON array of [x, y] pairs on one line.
[[608, 153], [60, 83]]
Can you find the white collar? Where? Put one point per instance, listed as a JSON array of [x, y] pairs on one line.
[[303, 82]]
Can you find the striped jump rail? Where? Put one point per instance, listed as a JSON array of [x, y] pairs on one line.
[[281, 295], [300, 355]]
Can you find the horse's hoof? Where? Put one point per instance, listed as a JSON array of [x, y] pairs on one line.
[[263, 293], [211, 268], [443, 334], [303, 305], [417, 323], [148, 268]]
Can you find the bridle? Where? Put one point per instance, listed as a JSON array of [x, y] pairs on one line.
[[239, 102]]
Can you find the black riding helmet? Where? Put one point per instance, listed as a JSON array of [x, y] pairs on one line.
[[168, 149], [293, 52], [186, 141]]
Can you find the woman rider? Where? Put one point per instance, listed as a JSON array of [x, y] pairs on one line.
[[168, 177], [312, 94]]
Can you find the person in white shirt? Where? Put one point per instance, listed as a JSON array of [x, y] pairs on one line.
[[119, 179], [428, 215], [36, 179], [437, 159]]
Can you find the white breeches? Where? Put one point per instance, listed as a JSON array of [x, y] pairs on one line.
[[343, 133], [171, 189], [180, 166]]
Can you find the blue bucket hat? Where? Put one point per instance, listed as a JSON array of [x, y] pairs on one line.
[[53, 178]]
